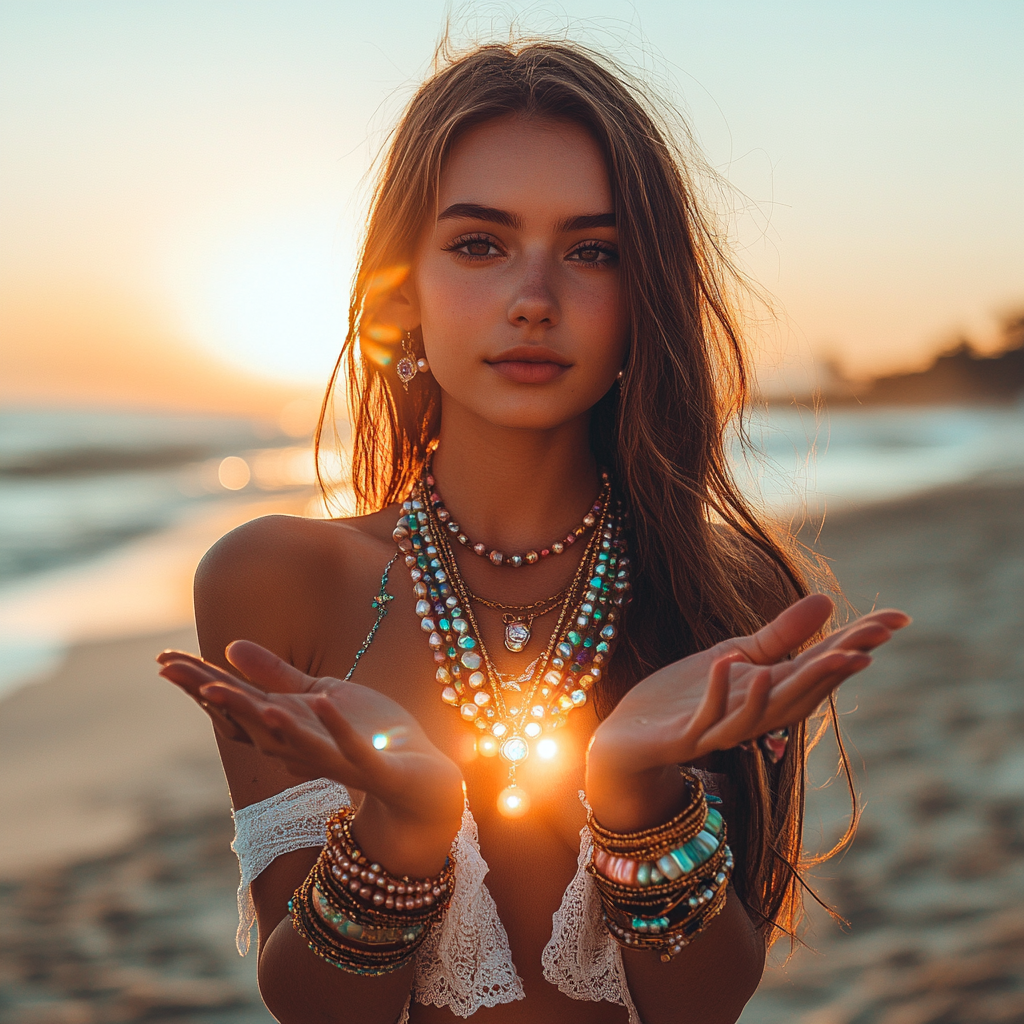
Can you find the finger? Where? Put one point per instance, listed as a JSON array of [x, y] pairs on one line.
[[715, 701], [272, 729], [166, 658], [890, 619], [745, 722], [266, 669], [224, 725], [865, 636], [787, 631], [803, 692], [193, 674], [356, 748]]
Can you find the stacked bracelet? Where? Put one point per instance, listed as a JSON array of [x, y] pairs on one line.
[[661, 887], [357, 916]]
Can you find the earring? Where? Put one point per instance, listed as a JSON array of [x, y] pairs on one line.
[[408, 366], [618, 376]]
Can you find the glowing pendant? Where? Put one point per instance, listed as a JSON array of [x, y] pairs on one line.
[[513, 802], [515, 749], [517, 634]]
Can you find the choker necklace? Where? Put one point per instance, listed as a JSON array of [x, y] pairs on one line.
[[511, 724], [530, 557]]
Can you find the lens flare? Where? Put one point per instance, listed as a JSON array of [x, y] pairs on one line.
[[547, 748], [390, 738], [487, 746], [513, 802]]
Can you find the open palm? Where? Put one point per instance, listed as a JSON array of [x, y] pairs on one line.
[[736, 690], [319, 727]]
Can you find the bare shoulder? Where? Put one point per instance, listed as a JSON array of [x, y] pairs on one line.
[[270, 579]]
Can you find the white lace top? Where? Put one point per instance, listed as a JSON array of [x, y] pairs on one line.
[[465, 962]]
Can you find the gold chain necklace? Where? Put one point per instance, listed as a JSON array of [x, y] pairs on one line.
[[518, 618]]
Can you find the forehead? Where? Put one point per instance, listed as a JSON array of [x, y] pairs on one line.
[[527, 165]]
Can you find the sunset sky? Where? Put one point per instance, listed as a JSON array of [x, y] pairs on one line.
[[181, 179]]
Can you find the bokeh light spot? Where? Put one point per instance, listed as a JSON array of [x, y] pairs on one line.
[[233, 473]]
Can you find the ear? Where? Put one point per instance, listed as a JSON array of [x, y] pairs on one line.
[[401, 306]]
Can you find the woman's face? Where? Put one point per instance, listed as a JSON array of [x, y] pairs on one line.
[[516, 285]]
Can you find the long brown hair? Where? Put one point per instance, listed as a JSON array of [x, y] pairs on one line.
[[706, 566]]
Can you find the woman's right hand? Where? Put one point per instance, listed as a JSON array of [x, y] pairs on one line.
[[325, 727]]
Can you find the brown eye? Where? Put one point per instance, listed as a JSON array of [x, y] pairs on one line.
[[477, 248], [594, 255]]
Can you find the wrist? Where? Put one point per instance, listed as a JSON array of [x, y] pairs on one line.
[[632, 801], [408, 841]]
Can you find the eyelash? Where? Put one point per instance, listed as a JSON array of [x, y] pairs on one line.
[[595, 245]]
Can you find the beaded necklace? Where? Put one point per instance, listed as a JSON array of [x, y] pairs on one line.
[[574, 661], [531, 557]]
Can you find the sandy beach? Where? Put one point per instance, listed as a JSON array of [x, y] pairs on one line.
[[117, 901]]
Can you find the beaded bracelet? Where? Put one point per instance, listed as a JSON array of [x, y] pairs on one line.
[[651, 843], [348, 944], [370, 882], [664, 903], [355, 915]]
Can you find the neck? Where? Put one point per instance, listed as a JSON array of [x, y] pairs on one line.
[[514, 489]]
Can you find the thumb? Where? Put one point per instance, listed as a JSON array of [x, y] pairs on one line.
[[271, 673]]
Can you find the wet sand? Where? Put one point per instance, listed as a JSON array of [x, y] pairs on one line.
[[117, 899]]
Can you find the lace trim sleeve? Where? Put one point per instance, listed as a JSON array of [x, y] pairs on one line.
[[466, 963], [291, 820], [581, 959]]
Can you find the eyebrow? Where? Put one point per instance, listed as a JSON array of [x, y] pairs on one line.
[[492, 215]]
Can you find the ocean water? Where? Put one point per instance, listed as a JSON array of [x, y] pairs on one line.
[[851, 457], [88, 499], [77, 487]]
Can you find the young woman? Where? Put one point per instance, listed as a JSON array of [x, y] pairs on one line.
[[559, 649]]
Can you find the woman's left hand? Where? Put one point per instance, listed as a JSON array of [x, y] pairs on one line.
[[730, 694]]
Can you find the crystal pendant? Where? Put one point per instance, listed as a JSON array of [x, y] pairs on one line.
[[515, 749], [406, 369], [517, 635]]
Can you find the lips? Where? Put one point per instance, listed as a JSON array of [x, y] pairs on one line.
[[530, 364]]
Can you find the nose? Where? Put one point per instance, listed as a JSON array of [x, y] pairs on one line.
[[534, 302]]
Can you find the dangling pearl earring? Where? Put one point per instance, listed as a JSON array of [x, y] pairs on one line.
[[408, 366], [618, 376]]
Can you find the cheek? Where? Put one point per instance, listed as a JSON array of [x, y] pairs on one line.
[[452, 303], [602, 322]]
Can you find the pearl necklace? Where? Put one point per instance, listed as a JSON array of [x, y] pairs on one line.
[[530, 557], [576, 655]]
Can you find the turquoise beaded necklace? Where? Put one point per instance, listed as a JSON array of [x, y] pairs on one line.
[[577, 655]]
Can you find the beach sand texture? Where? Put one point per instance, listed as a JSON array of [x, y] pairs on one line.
[[118, 899]]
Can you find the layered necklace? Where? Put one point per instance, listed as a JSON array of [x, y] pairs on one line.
[[511, 725]]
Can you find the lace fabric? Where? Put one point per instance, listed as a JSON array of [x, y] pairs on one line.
[[291, 820], [467, 962], [464, 964], [581, 959]]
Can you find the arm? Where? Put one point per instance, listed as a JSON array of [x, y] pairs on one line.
[[289, 727], [712, 701]]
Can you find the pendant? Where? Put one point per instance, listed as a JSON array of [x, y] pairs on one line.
[[406, 370], [517, 633]]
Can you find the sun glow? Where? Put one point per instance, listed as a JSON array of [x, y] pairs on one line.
[[272, 299]]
